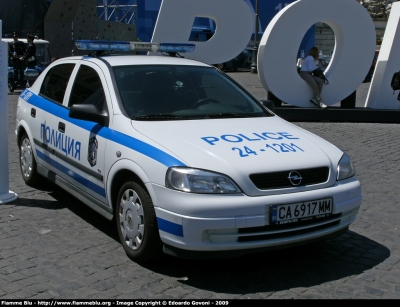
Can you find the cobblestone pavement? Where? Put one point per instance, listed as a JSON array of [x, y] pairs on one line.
[[54, 247]]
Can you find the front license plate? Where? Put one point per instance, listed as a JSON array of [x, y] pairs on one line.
[[296, 212]]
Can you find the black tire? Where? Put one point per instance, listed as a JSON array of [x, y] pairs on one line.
[[137, 223], [27, 162]]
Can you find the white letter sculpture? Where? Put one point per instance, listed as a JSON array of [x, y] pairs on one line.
[[234, 26], [6, 196], [380, 95], [352, 58]]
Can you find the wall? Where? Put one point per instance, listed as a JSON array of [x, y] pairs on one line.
[[68, 21], [324, 38]]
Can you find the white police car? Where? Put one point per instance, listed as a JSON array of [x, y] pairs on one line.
[[182, 156]]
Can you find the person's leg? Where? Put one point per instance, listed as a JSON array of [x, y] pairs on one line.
[[20, 73], [311, 82], [15, 66], [320, 84]]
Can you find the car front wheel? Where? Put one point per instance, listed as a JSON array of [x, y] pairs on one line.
[[137, 223]]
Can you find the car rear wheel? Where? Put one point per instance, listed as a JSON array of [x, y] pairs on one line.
[[28, 162], [137, 223]]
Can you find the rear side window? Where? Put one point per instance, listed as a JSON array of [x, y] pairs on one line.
[[56, 81], [88, 89]]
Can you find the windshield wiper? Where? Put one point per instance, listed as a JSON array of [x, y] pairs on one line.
[[158, 117]]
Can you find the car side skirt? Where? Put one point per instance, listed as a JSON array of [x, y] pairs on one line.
[[88, 200]]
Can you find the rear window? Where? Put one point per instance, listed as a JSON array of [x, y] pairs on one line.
[[56, 81]]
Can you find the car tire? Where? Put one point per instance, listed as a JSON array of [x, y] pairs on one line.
[[28, 163], [137, 223]]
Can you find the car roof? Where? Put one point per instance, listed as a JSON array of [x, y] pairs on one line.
[[122, 60]]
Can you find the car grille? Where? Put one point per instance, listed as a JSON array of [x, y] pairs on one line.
[[287, 230], [280, 180], [272, 234]]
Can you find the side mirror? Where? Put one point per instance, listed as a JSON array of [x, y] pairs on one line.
[[269, 104], [90, 113]]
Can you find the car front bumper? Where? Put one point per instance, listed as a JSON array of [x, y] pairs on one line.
[[231, 229]]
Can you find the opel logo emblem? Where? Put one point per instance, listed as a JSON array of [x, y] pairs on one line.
[[295, 178]]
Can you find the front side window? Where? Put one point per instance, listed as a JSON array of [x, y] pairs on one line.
[[163, 92], [56, 81], [88, 89]]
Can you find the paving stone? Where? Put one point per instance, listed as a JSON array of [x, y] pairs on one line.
[[200, 294], [365, 296], [4, 263], [158, 287], [39, 288], [163, 296], [25, 293], [111, 293], [374, 291], [103, 285], [83, 293], [12, 287], [8, 270], [141, 293], [43, 296], [14, 277], [9, 296]]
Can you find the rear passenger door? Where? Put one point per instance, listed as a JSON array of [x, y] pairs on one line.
[[85, 147], [44, 112]]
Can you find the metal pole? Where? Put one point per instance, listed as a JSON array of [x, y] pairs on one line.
[[105, 3], [255, 47], [135, 12], [6, 195]]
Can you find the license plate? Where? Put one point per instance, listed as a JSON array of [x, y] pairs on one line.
[[297, 212]]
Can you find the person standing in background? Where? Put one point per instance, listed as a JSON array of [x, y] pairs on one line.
[[30, 54], [16, 50]]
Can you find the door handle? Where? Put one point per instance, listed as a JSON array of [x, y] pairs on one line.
[[61, 127], [33, 112]]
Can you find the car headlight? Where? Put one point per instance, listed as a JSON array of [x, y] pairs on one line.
[[199, 181], [345, 168]]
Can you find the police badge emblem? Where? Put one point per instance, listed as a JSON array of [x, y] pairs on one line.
[[92, 152]]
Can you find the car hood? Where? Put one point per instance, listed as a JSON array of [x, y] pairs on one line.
[[241, 147]]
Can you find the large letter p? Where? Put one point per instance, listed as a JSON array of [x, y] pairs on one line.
[[234, 26]]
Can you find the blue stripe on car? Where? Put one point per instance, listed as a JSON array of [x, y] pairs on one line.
[[107, 133], [87, 183], [170, 227]]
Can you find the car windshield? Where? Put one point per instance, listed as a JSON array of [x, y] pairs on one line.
[[178, 92]]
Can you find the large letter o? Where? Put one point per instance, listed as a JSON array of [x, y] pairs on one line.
[[352, 58]]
